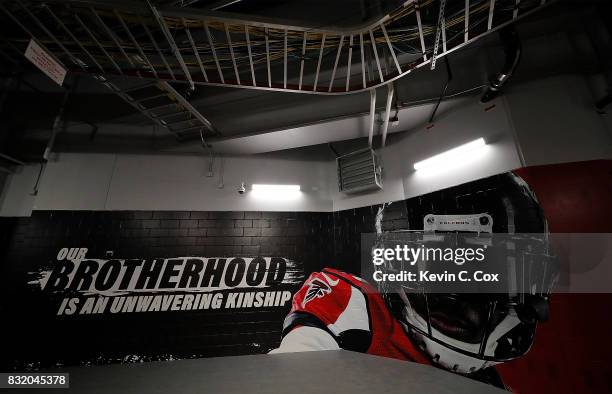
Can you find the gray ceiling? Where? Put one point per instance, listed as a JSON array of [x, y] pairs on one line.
[[97, 120]]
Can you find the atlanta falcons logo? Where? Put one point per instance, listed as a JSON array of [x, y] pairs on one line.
[[318, 288]]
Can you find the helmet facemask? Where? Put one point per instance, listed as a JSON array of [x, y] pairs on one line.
[[465, 332]]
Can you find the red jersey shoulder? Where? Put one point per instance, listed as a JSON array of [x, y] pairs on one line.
[[325, 294], [322, 295], [345, 303]]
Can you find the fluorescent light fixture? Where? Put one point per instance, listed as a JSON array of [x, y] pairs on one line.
[[451, 158], [276, 192], [276, 188]]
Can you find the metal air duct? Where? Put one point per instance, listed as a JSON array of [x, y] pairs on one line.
[[359, 171]]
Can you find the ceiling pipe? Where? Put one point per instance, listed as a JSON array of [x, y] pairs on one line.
[[449, 78], [512, 48], [372, 116], [12, 159], [58, 123], [390, 92], [222, 4]]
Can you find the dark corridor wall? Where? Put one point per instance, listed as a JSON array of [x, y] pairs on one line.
[[571, 352], [311, 239], [36, 337]]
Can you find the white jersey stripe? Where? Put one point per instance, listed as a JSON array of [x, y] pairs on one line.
[[354, 316]]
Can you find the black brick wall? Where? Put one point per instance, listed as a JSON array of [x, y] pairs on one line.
[[38, 337], [351, 223], [303, 236]]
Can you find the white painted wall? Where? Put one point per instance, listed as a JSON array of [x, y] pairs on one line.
[[164, 182], [457, 122], [552, 120], [461, 124], [75, 181], [181, 183]]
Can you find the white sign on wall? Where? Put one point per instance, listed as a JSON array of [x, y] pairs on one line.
[[45, 62]]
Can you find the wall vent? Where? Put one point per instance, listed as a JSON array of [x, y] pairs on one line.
[[359, 171]]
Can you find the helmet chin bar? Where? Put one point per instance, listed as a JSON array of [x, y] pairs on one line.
[[453, 354], [448, 358]]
